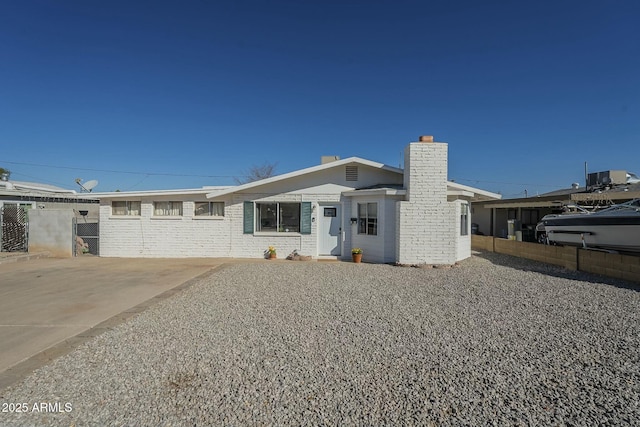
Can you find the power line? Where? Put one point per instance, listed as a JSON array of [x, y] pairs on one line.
[[147, 174], [119, 171]]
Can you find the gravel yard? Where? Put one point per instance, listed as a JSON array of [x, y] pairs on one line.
[[494, 341]]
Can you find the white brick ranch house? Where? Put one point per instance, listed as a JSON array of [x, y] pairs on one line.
[[411, 216]]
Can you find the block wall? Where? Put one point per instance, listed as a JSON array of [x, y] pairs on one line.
[[482, 243], [563, 256], [51, 230], [626, 267]]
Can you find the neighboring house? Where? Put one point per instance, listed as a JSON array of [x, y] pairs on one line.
[[45, 196], [410, 216], [492, 217], [18, 197]]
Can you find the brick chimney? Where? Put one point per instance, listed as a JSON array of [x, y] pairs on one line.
[[426, 220], [425, 169], [328, 159]]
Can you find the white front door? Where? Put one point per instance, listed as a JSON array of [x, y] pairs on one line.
[[329, 230]]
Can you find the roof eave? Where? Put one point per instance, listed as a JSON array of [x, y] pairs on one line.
[[375, 192], [130, 194], [478, 194]]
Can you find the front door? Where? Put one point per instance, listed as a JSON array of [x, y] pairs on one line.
[[330, 230]]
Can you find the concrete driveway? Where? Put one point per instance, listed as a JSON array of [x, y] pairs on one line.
[[45, 302]]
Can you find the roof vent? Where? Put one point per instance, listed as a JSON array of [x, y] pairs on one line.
[[575, 185], [351, 173]]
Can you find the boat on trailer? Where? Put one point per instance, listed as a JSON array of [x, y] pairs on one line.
[[615, 228]]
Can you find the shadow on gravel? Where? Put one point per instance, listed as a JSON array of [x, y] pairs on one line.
[[553, 270]]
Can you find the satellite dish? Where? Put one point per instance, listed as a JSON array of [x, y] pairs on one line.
[[90, 185], [87, 186]]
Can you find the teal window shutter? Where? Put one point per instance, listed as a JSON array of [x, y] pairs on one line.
[[248, 217], [305, 218]]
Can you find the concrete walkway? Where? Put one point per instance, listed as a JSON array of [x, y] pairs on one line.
[[48, 306]]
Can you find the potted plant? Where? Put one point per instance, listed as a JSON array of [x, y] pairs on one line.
[[271, 252], [356, 254]]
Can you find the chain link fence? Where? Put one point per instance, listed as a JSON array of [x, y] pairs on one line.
[[15, 228]]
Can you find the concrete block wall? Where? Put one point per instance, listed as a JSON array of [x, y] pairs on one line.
[[482, 243], [563, 256], [51, 230], [626, 267], [426, 221]]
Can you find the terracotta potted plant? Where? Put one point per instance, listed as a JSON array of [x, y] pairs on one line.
[[356, 254], [271, 252]]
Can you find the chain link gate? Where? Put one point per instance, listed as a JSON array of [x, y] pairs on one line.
[[89, 232], [15, 227]]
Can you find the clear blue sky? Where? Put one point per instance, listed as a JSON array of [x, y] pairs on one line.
[[524, 92]]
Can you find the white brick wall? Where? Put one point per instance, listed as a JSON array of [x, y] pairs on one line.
[[426, 222], [189, 236], [158, 237]]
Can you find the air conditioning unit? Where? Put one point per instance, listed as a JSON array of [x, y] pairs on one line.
[[602, 179]]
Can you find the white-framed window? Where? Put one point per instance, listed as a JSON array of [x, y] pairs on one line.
[[280, 217], [464, 219], [167, 208], [125, 208], [209, 209], [368, 218]]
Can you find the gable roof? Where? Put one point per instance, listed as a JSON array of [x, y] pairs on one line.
[[300, 172]]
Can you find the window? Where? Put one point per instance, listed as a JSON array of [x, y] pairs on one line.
[[368, 218], [464, 219], [330, 212], [278, 217], [125, 208], [167, 208], [209, 209]]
